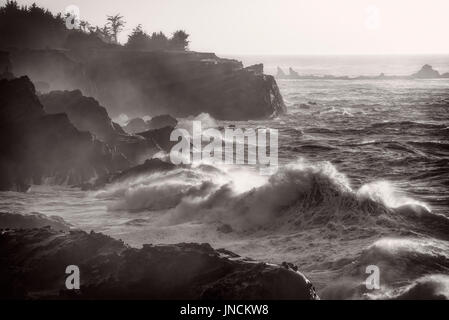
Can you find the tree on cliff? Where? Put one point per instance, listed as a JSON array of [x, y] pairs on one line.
[[179, 40], [115, 23], [159, 41], [138, 39], [30, 27]]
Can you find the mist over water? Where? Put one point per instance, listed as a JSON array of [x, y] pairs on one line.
[[363, 180]]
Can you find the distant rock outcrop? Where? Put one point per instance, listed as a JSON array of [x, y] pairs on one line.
[[33, 263], [280, 73], [161, 121], [292, 73], [136, 125], [426, 72], [171, 82], [35, 146]]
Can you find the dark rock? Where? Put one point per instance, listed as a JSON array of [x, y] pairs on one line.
[[84, 112], [160, 137], [33, 263], [29, 221], [136, 125], [149, 166], [35, 145], [161, 121], [5, 66], [225, 228], [257, 69], [88, 115], [426, 72]]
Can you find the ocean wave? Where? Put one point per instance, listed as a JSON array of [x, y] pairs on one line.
[[299, 195], [408, 268]]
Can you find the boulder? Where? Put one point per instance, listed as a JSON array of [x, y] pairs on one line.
[[33, 264]]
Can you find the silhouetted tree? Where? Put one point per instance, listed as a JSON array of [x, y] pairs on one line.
[[36, 27], [138, 39], [115, 24], [159, 41], [179, 40], [104, 33], [31, 27]]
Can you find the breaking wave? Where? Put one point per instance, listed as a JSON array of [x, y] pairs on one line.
[[299, 195]]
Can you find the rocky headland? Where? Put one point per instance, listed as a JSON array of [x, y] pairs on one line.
[[138, 83]]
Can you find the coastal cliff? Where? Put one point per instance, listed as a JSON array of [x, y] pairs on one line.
[[140, 83]]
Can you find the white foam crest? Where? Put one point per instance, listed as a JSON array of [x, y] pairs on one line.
[[425, 247], [386, 193]]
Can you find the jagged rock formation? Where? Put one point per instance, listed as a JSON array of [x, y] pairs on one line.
[[36, 146], [84, 112], [139, 83], [33, 264], [88, 115], [426, 72], [161, 121]]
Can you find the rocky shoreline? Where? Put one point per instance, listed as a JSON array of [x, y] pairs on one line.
[[33, 260]]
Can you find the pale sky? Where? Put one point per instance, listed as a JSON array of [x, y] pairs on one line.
[[283, 26]]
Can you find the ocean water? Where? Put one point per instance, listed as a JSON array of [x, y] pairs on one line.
[[363, 181]]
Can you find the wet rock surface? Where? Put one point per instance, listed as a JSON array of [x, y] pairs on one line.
[[33, 264], [35, 146]]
